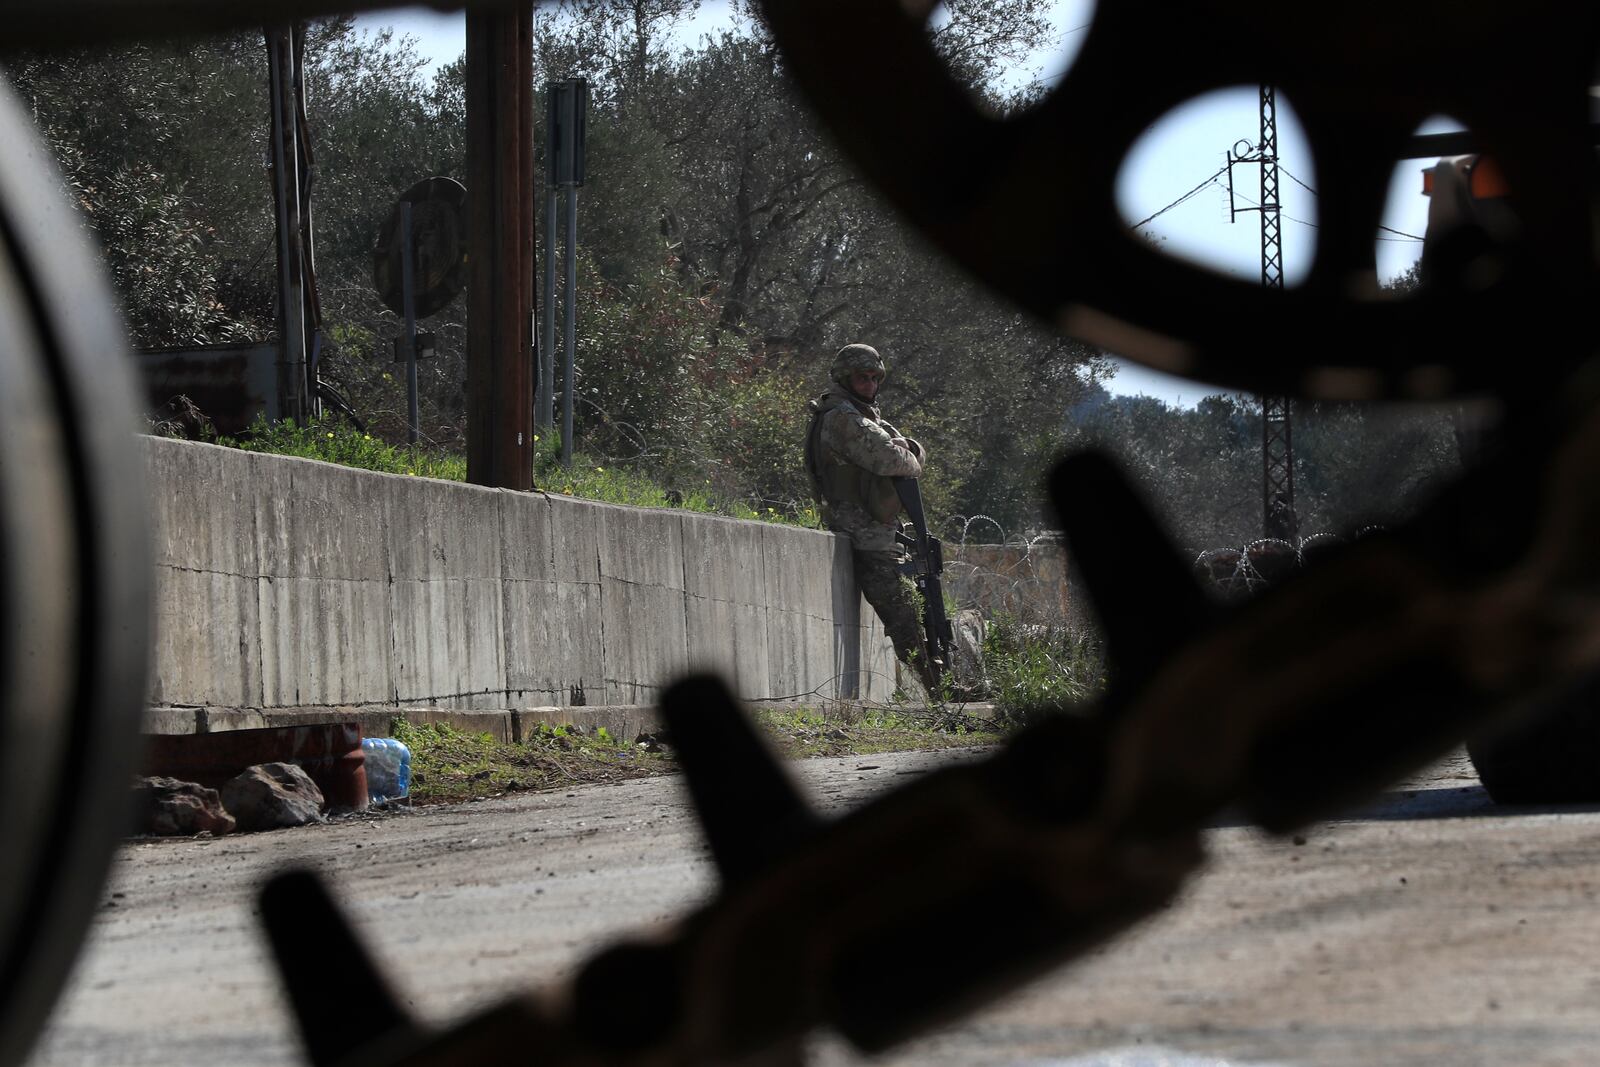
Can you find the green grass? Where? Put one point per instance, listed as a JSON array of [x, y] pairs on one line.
[[1042, 669], [451, 766], [448, 764], [335, 441]]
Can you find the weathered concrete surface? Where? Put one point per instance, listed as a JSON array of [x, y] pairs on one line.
[[622, 721], [284, 582], [551, 596], [720, 559], [643, 637], [325, 622], [1430, 928], [800, 623], [625, 722], [203, 521], [1028, 580], [445, 573]]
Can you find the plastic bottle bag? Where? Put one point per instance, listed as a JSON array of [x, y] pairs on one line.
[[388, 769]]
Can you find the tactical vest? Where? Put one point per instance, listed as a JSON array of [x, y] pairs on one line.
[[846, 483]]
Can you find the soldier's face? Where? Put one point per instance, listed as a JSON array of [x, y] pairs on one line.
[[865, 383]]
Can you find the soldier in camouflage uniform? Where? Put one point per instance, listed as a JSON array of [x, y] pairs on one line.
[[852, 454]]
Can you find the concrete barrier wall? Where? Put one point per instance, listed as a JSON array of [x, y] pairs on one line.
[[1030, 581], [289, 583]]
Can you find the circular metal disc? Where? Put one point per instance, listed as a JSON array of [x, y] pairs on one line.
[[438, 243]]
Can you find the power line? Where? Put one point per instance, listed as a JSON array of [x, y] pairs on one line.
[[1209, 181], [1313, 192], [1297, 181], [1060, 37], [1401, 234], [1282, 212]]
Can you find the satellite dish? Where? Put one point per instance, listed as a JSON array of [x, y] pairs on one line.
[[438, 247]]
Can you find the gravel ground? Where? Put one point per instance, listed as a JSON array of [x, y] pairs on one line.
[[1431, 928]]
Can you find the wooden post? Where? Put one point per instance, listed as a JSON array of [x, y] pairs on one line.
[[500, 253]]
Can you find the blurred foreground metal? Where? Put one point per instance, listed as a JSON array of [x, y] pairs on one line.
[[1383, 655], [75, 578]]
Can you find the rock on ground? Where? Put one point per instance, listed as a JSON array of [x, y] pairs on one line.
[[270, 795], [167, 806], [970, 679]]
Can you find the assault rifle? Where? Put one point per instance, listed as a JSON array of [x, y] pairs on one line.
[[924, 568]]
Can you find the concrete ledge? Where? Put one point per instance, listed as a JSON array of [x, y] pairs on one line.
[[284, 582], [374, 719], [173, 720], [624, 722]]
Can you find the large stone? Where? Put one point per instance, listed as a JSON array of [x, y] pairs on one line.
[[968, 678], [167, 806], [270, 795]]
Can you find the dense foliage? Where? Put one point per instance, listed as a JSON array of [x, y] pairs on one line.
[[1355, 465], [726, 251]]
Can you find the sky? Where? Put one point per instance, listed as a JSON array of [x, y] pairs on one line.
[[1180, 152]]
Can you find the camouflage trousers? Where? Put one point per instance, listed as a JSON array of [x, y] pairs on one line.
[[894, 598]]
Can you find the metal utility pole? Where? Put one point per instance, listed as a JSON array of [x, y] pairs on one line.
[[294, 396], [1278, 517], [500, 306], [408, 289], [544, 392], [567, 105]]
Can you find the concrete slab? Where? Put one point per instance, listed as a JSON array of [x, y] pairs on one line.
[[551, 627], [799, 582], [725, 614], [553, 640], [625, 723], [724, 559], [640, 546], [206, 647], [880, 670], [216, 720], [527, 549], [325, 521], [846, 606], [324, 595], [444, 558], [800, 657], [324, 642], [795, 569], [644, 641], [730, 640], [643, 628], [574, 538], [201, 510], [169, 720]]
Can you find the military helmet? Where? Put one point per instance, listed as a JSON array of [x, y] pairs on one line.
[[852, 358]]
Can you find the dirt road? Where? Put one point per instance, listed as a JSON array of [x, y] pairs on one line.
[[1430, 929]]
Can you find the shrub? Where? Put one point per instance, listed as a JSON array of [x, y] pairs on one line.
[[1043, 668]]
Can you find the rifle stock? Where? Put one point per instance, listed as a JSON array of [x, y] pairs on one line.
[[925, 570]]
